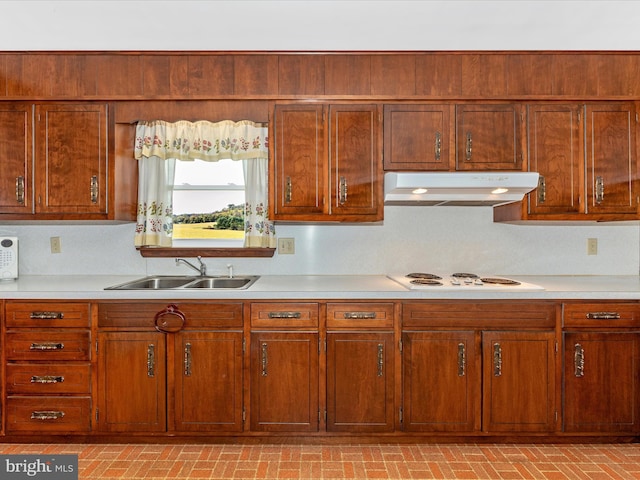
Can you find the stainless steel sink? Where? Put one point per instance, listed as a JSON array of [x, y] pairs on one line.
[[163, 282]]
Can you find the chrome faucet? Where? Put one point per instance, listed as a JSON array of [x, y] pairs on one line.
[[230, 270], [202, 270]]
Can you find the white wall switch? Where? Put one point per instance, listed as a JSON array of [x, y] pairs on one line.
[[286, 246]]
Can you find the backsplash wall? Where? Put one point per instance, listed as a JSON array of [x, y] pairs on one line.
[[436, 239]]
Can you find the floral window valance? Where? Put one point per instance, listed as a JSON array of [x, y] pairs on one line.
[[184, 140]]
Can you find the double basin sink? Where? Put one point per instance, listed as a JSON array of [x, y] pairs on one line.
[[164, 282]]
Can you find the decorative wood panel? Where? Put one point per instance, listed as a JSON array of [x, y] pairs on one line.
[[255, 74], [529, 74], [348, 74], [438, 75], [210, 75], [301, 74], [484, 75], [119, 75], [164, 75], [393, 74]]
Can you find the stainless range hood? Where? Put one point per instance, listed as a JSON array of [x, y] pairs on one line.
[[457, 188]]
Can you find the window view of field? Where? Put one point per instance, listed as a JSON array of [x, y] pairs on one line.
[[224, 224]]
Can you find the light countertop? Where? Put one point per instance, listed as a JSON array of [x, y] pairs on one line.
[[292, 287]]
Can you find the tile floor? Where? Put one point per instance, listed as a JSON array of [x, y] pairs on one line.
[[447, 461]]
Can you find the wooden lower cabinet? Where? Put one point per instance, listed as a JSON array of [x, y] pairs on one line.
[[459, 376], [602, 382], [360, 382], [518, 381], [189, 379], [284, 382], [441, 382], [132, 382]]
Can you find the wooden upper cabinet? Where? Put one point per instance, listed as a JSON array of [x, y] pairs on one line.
[[556, 153], [488, 137], [326, 163], [16, 182], [299, 166], [355, 167], [71, 158], [611, 158], [418, 137]]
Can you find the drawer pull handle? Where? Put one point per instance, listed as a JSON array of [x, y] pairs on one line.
[[151, 360], [170, 320], [497, 360], [438, 146], [380, 359], [599, 190], [94, 189], [578, 360], [462, 360], [47, 415], [288, 191], [20, 190], [187, 360], [46, 346], [342, 190], [264, 359], [47, 379], [46, 315], [359, 315], [603, 316], [542, 189], [284, 315]]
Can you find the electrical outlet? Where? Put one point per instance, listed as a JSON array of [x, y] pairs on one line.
[[56, 246], [286, 246], [592, 246]]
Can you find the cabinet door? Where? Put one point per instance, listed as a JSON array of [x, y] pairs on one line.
[[299, 181], [416, 137], [16, 130], [71, 158], [519, 381], [284, 382], [355, 163], [488, 137], [208, 381], [601, 382], [132, 379], [556, 153], [440, 382], [360, 382], [611, 158]]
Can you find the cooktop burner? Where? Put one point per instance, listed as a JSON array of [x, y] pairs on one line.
[[459, 281]]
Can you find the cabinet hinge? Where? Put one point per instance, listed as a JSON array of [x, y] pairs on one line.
[[636, 117], [556, 415], [96, 347], [244, 347], [556, 347], [244, 415], [400, 415], [97, 415], [400, 345]]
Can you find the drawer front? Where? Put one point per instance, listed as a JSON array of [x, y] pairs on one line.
[[601, 315], [47, 345], [196, 315], [48, 414], [359, 315], [48, 314], [47, 379], [284, 315]]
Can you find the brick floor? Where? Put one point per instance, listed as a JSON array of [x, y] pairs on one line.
[[324, 462]]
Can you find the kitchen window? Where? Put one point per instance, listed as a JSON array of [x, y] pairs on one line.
[[183, 161]]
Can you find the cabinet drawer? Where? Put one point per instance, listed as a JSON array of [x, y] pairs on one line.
[[47, 314], [359, 315], [196, 315], [47, 345], [290, 315], [48, 414], [601, 315], [47, 379]]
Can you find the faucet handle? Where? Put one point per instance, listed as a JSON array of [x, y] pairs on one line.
[[230, 270]]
